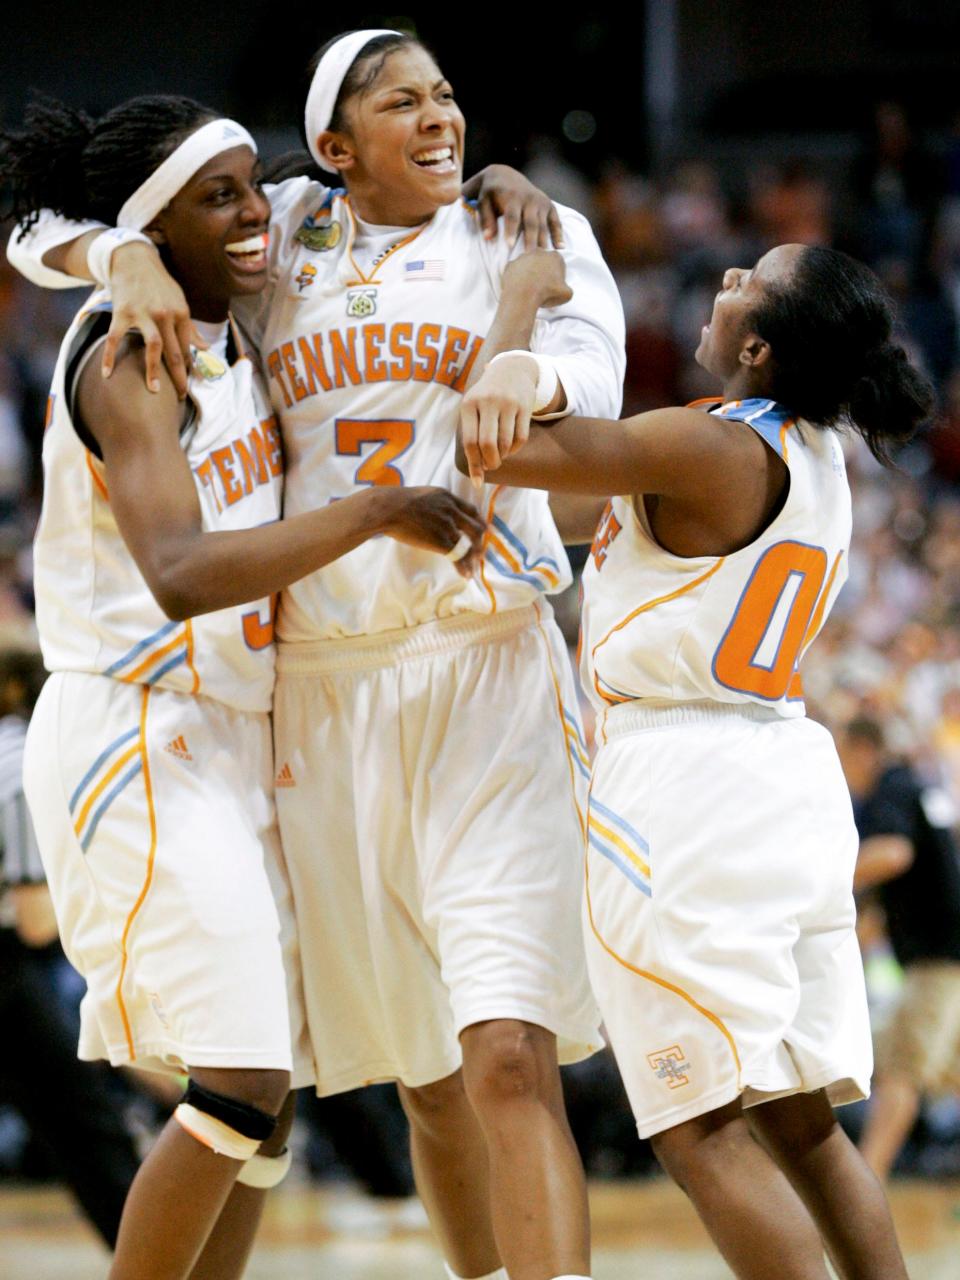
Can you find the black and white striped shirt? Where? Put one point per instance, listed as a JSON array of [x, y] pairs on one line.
[[19, 856]]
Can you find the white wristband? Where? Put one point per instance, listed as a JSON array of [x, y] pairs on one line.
[[547, 379], [459, 548], [103, 248]]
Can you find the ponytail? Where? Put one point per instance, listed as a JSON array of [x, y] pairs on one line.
[[889, 400], [41, 165], [86, 169]]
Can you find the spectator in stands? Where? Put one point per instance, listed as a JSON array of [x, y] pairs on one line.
[[909, 857]]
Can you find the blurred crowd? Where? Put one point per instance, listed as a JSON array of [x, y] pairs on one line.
[[891, 649], [892, 645]]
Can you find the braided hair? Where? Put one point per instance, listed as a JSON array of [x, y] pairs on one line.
[[829, 328], [62, 159]]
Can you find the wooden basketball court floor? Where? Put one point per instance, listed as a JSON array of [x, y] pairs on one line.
[[642, 1231]]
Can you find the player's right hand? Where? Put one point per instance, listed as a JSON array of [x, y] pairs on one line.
[[148, 299], [435, 520]]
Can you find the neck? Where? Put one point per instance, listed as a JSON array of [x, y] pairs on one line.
[[381, 210], [210, 310], [746, 384]]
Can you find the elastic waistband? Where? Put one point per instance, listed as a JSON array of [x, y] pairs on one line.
[[630, 717], [443, 635]]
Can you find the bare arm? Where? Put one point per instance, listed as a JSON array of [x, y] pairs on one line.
[[666, 451], [495, 417], [882, 858], [71, 257], [190, 571], [716, 481], [576, 516], [145, 298]]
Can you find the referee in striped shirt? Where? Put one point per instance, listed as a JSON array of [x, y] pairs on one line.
[[65, 1102], [25, 904]]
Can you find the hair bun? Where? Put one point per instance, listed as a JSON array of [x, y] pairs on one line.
[[889, 399], [882, 360]]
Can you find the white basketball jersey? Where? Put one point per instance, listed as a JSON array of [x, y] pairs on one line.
[[728, 628], [95, 612], [367, 355]]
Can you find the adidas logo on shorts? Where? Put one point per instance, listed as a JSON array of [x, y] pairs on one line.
[[178, 747], [285, 777]]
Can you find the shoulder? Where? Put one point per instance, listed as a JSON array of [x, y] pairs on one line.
[[123, 402], [771, 421], [695, 432], [575, 223], [293, 193]]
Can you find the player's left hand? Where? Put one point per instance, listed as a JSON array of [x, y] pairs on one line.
[[504, 193], [495, 414]]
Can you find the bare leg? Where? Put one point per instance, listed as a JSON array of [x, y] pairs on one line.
[[450, 1167], [538, 1192], [228, 1246], [182, 1186], [894, 1104], [755, 1217], [841, 1192]]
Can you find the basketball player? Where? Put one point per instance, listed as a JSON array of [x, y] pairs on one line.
[[148, 763], [721, 844], [427, 728]]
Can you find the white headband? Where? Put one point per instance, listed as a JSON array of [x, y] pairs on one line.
[[327, 81], [179, 167]]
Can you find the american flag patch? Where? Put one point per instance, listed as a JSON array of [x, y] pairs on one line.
[[425, 269]]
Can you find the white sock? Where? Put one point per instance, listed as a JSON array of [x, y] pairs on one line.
[[499, 1274]]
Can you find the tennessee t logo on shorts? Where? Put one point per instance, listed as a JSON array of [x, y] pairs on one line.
[[670, 1065]]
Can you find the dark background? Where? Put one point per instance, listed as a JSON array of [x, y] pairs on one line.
[[661, 79]]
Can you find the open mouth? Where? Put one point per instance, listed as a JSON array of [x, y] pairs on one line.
[[250, 254], [439, 160]]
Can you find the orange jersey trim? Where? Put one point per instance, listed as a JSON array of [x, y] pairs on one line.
[[102, 786], [818, 612], [97, 479], [175, 643], [401, 244], [483, 550], [148, 879], [644, 608], [195, 688]]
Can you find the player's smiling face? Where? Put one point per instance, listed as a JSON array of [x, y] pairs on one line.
[[725, 339], [403, 156], [213, 233]]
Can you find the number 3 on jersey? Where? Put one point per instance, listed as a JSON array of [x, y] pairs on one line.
[[781, 607], [257, 631], [394, 437]]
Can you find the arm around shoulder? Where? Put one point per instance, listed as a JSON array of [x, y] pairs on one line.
[[52, 252]]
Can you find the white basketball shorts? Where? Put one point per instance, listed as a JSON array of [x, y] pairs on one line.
[[430, 787], [720, 913], [156, 823]]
